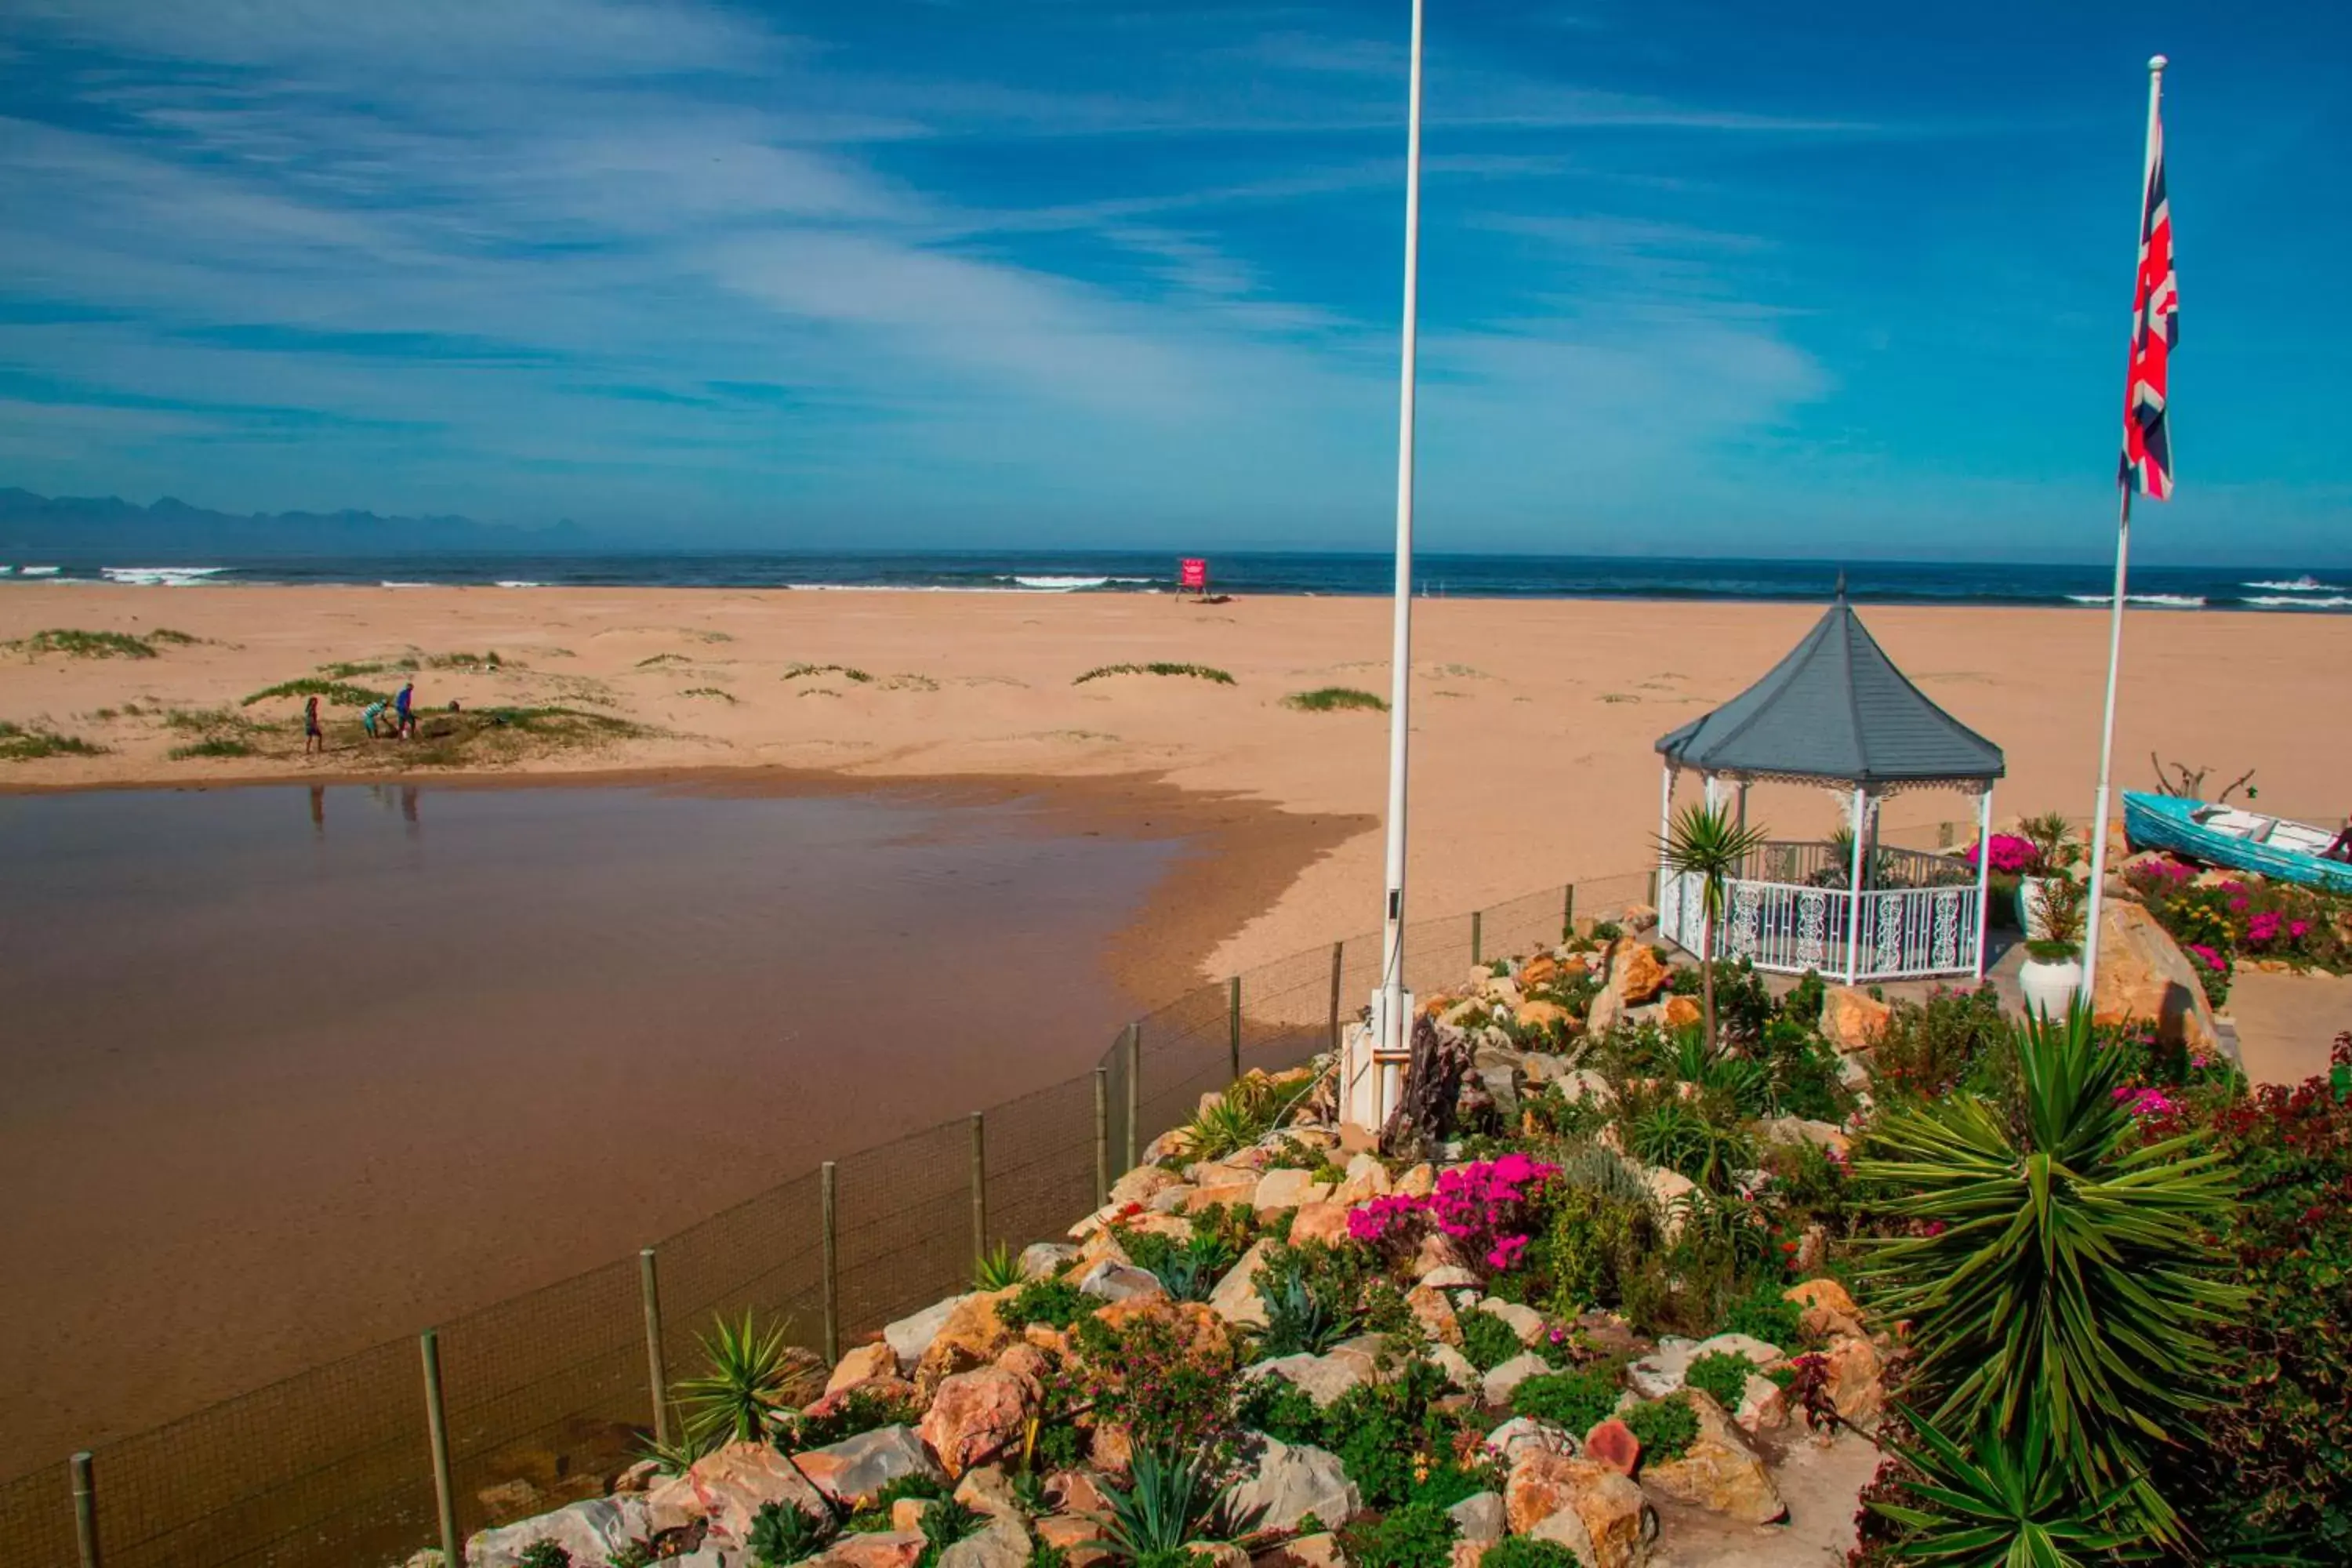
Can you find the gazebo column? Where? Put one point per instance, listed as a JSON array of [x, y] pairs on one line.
[[1666, 826], [1743, 804], [1853, 889], [1984, 872]]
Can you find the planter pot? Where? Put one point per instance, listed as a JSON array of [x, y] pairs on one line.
[[2050, 987], [2029, 909]]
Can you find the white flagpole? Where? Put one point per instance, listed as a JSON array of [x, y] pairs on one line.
[[2123, 557], [1394, 1037]]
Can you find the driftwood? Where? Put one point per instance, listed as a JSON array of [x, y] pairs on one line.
[[1428, 1100], [2185, 783]]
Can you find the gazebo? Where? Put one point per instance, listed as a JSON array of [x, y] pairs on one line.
[[1836, 713]]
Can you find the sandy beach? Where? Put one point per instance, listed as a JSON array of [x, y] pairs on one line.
[[1533, 725]]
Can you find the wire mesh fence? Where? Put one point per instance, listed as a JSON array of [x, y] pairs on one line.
[[544, 1398]]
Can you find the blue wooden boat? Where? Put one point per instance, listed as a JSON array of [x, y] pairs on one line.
[[2240, 839]]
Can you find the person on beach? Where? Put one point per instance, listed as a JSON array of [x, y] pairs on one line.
[[369, 714], [314, 738], [2342, 848], [403, 721]]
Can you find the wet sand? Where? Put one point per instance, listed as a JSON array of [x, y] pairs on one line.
[[291, 1072]]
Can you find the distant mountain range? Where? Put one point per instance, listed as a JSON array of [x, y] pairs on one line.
[[78, 528]]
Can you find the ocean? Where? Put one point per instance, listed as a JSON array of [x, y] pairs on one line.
[[2289, 590]]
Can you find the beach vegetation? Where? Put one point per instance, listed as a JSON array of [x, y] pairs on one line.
[[479, 662], [1335, 698], [333, 694], [68, 642], [656, 661], [1210, 673], [847, 672], [26, 744], [1575, 1401], [213, 732], [349, 670], [748, 1375], [506, 733], [712, 691], [1527, 1551]]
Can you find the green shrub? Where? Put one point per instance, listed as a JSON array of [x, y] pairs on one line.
[[1527, 1551], [1419, 1535], [544, 1554], [19, 745], [1666, 1428], [74, 644], [1802, 1005], [1487, 1342], [333, 694], [1173, 1392], [1721, 1376], [1574, 1401], [861, 1410], [1246, 1112], [1169, 1503], [745, 1380], [1309, 1294], [1333, 699], [945, 1522], [1041, 1555], [1282, 1410], [1197, 671], [1057, 1303], [1929, 1049], [781, 1534], [1379, 1429], [875, 1514], [1763, 1314]]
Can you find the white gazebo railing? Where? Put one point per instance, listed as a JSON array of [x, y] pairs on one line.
[[1791, 909]]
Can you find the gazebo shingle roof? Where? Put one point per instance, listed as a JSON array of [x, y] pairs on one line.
[[1836, 709]]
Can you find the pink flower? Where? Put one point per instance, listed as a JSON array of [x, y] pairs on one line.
[[2145, 1102], [2012, 856]]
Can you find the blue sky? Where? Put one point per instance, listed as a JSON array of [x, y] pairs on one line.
[[1798, 279]]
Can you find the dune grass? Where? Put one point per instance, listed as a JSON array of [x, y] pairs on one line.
[[488, 660], [504, 734], [1332, 699], [658, 660], [346, 669], [214, 732], [335, 693], [22, 743], [72, 643], [847, 672], [1196, 671], [725, 697]]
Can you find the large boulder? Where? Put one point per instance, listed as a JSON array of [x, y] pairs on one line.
[[2144, 976], [971, 1337], [1638, 974], [1004, 1544], [1720, 1473], [1792, 1129], [1235, 1299], [1500, 1382], [732, 1484], [1525, 1321], [1852, 1019], [591, 1532], [854, 1469], [1480, 1517], [1286, 1189], [1523, 1435], [1323, 1222], [1323, 1377], [862, 1364], [1290, 1481], [1584, 1506], [1828, 1311], [1141, 1185], [865, 1549], [1043, 1259], [911, 1336], [1856, 1380], [1113, 1282], [974, 1416]]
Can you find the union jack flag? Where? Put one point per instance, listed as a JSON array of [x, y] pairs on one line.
[[2156, 328]]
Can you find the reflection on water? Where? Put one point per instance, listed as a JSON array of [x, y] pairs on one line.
[[294, 1070]]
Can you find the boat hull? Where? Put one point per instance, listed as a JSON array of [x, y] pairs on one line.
[[2163, 822]]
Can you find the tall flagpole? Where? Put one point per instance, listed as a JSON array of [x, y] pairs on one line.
[[2123, 557], [1393, 1036]]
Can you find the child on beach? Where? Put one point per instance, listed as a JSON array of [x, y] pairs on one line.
[[369, 714], [313, 738]]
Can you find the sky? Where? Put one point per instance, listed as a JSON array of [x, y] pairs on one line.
[[1794, 279]]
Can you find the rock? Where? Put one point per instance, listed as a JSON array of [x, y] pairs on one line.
[[1585, 1505], [1286, 1189], [1235, 1299], [592, 1531], [1218, 1554], [1150, 1223], [1639, 918], [671, 1503], [1720, 1473], [1436, 1251], [638, 1476], [910, 1337], [1541, 1015], [971, 1337], [1141, 1185], [975, 1415], [1526, 1321], [867, 1549], [1480, 1517], [1666, 1188], [1456, 1368], [896, 1389], [1608, 1011], [1660, 1373], [1523, 1435], [1004, 1544], [1225, 1193], [1074, 1492], [1070, 1534], [1855, 1384], [1434, 1313], [1324, 1378], [1499, 1382], [1317, 1551], [1366, 1179], [1540, 970], [1682, 1013], [1102, 1244], [1169, 1201], [1796, 1130], [731, 1484], [2144, 976], [1828, 1311], [1450, 1277], [854, 1469], [1757, 1350], [1613, 1443], [1323, 1222], [1763, 1406], [985, 1488], [908, 1512], [1112, 1282], [862, 1364], [1290, 1481], [1638, 975], [1170, 1146], [1418, 1181], [1111, 1450], [1029, 1363], [1853, 1072], [1852, 1019]]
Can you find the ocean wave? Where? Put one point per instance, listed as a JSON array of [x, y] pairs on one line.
[[2154, 601], [1061, 584], [37, 571], [2298, 602], [519, 582], [2307, 584], [390, 583], [160, 576], [897, 588]]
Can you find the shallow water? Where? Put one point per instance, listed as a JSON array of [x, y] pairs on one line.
[[289, 1072]]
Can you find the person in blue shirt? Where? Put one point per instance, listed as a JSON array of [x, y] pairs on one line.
[[403, 721]]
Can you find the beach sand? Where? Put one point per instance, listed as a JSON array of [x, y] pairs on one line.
[[1533, 722]]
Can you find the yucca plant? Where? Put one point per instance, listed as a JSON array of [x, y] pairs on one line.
[[998, 1268], [747, 1371], [1298, 1321], [1168, 1504], [2002, 1502], [1246, 1112], [1707, 842], [2066, 1267], [1749, 1084]]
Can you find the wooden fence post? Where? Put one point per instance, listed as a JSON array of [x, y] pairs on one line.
[[828, 1209], [1568, 914], [656, 1373], [1477, 936], [1102, 1136], [1338, 949], [85, 1507], [979, 1188], [436, 1421], [1134, 1089], [1233, 1025]]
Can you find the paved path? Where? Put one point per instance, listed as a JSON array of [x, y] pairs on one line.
[[2287, 1022]]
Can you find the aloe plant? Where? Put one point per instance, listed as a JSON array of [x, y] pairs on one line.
[[998, 1268], [2063, 1271], [2002, 1502], [1707, 842], [1170, 1504]]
